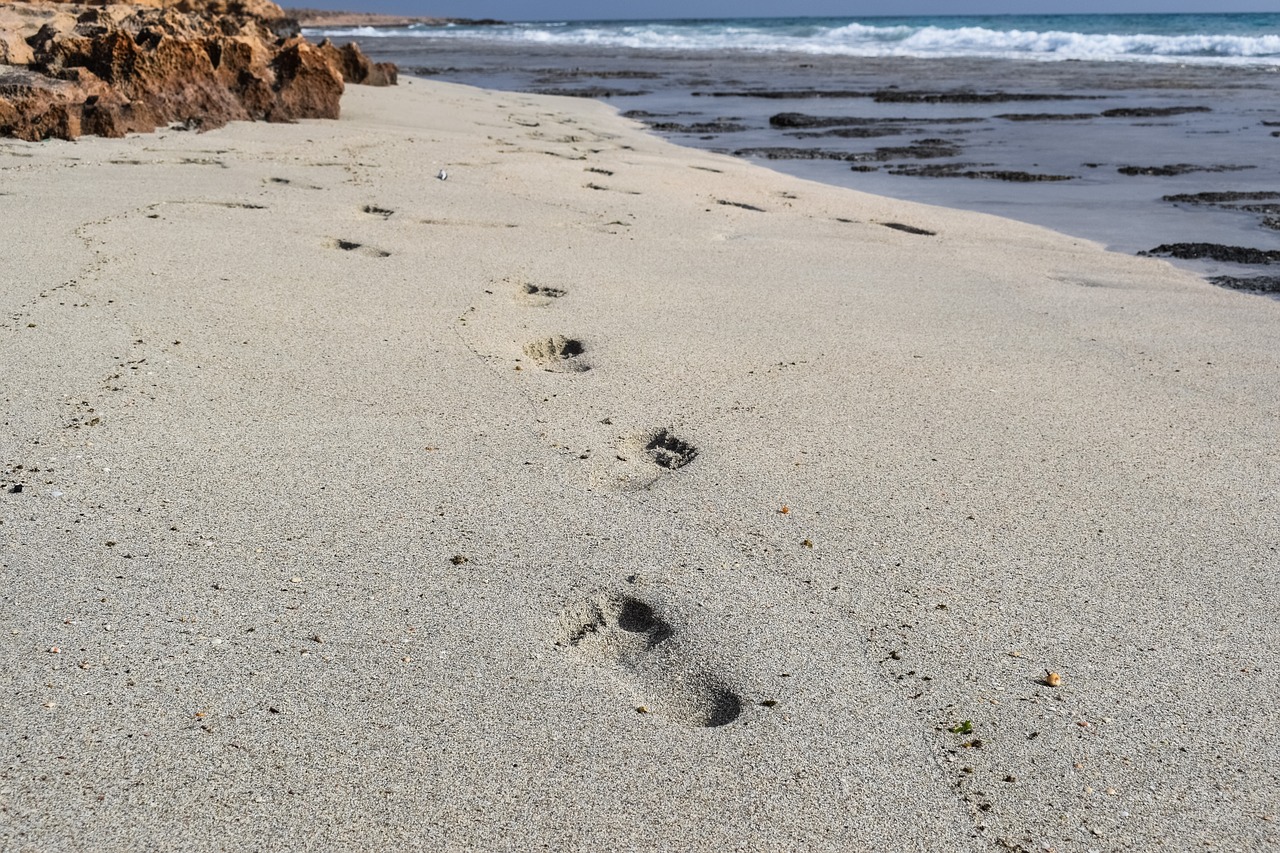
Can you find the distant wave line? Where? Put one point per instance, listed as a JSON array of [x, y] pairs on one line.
[[856, 39]]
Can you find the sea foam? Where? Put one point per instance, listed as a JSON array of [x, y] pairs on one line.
[[1224, 41]]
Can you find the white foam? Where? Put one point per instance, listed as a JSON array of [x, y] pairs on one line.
[[855, 39]]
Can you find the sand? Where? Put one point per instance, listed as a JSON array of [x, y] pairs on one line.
[[609, 495]]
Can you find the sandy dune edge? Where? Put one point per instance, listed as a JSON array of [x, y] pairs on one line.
[[609, 495]]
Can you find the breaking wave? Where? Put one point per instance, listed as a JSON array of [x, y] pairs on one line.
[[1226, 39]]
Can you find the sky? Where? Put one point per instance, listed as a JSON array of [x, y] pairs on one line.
[[549, 10]]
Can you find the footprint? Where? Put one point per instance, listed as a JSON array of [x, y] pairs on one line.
[[558, 354], [352, 246], [910, 229], [665, 449], [644, 459], [740, 204], [535, 294], [628, 633], [288, 182], [373, 210]]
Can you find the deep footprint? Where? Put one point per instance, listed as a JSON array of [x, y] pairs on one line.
[[558, 353], [630, 634], [668, 451]]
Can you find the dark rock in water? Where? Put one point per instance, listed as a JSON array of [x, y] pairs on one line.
[[589, 92], [1256, 284], [801, 120], [1177, 169], [964, 170], [925, 149], [699, 127], [785, 153], [1152, 112], [852, 133], [785, 94], [893, 96], [644, 114], [1221, 197], [1237, 201], [1214, 252], [560, 74], [1047, 116], [427, 70]]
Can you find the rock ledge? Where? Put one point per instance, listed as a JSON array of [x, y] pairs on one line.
[[68, 69]]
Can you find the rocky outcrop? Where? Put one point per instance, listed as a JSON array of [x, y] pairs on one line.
[[111, 69], [356, 67]]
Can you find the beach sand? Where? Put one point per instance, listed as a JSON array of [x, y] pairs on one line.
[[610, 495]]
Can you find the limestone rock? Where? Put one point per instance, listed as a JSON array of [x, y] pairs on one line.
[[356, 67], [108, 69]]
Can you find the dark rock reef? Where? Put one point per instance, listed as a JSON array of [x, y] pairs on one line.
[[1152, 112], [1215, 252], [68, 69], [921, 149], [966, 170], [1265, 203], [802, 120], [1178, 169], [1255, 284]]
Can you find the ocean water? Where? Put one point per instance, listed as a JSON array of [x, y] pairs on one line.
[[1137, 131], [1217, 39]]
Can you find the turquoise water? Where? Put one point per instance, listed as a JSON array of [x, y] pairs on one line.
[[1241, 38]]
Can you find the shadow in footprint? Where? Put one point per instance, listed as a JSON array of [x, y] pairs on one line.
[[534, 294], [668, 451], [632, 635], [352, 246], [558, 354], [741, 204], [287, 182], [374, 210], [909, 229]]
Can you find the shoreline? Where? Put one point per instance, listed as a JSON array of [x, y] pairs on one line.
[[1205, 130], [611, 493]]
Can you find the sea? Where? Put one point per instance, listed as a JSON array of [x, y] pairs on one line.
[[1155, 134]]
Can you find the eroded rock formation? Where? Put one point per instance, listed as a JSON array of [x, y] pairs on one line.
[[109, 69]]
